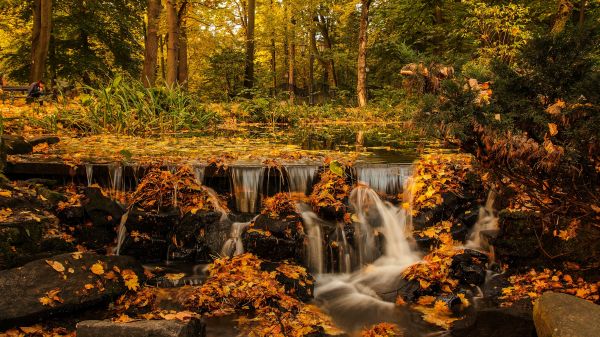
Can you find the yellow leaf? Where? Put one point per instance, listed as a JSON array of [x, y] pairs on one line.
[[553, 129], [174, 277], [77, 255], [97, 269], [426, 300], [130, 279], [56, 265], [5, 193], [124, 319], [89, 286]]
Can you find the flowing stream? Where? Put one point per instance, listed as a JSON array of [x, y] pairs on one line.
[[300, 177], [247, 182], [388, 179]]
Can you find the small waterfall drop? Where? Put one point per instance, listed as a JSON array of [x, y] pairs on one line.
[[384, 179], [314, 233], [487, 221], [199, 173], [300, 177], [247, 182], [115, 173], [234, 245], [89, 172], [121, 233]]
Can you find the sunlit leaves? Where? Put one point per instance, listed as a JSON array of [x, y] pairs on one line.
[[97, 268], [51, 298], [130, 279]]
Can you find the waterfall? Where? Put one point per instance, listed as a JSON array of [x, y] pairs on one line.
[[314, 233], [357, 298], [199, 173], [121, 233], [234, 245], [487, 221], [384, 179], [89, 172], [115, 173], [300, 177], [247, 182], [213, 198], [375, 214]]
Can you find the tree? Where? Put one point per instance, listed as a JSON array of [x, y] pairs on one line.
[[249, 68], [182, 58], [151, 48], [40, 39], [361, 87], [172, 42]]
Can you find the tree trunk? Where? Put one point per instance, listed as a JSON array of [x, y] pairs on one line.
[[582, 5], [565, 8], [273, 56], [161, 43], [327, 61], [182, 66], [172, 43], [249, 68], [311, 68], [361, 88], [292, 62], [40, 40], [151, 48]]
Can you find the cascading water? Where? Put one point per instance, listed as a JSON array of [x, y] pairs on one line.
[[487, 222], [356, 299], [115, 172], [234, 246], [121, 233], [199, 173], [314, 231], [247, 182], [384, 179], [89, 172], [300, 177]]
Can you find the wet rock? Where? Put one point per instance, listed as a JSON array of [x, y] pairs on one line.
[[517, 239], [469, 267], [21, 288], [189, 235], [275, 239], [148, 234], [71, 215], [162, 328], [562, 315], [101, 210], [16, 145], [495, 322], [50, 140]]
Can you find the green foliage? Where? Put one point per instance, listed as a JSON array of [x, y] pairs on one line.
[[125, 106]]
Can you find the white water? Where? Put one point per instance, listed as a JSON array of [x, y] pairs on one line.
[[121, 233], [115, 172], [89, 172], [384, 179], [234, 245], [247, 182], [300, 177], [199, 173], [487, 221], [314, 232], [357, 298]]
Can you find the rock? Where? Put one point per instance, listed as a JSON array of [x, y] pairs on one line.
[[101, 210], [495, 322], [16, 145], [163, 328], [50, 140], [189, 234], [469, 267], [21, 288], [275, 239], [562, 315]]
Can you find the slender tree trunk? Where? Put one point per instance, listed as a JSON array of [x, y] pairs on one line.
[[292, 62], [582, 5], [327, 61], [161, 42], [273, 56], [172, 43], [565, 8], [311, 68], [182, 66], [40, 40], [151, 48], [361, 88], [249, 68]]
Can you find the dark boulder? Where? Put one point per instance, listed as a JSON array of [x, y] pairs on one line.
[[495, 322], [143, 328], [275, 239], [50, 140], [469, 267], [22, 290], [16, 145]]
